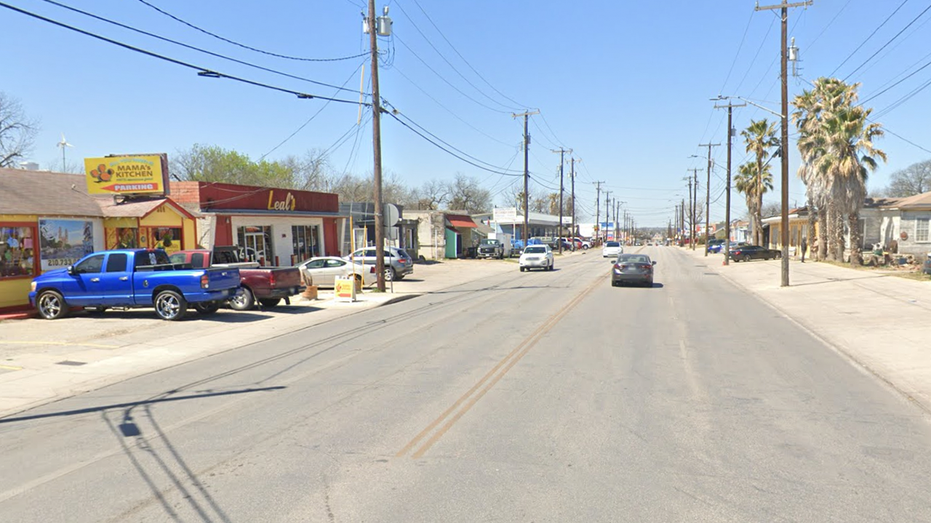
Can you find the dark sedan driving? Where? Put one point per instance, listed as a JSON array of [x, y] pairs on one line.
[[633, 268], [754, 252]]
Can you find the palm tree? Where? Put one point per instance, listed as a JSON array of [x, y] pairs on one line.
[[749, 184], [836, 143], [760, 137]]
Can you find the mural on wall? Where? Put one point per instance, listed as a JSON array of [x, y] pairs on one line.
[[63, 242], [167, 238]]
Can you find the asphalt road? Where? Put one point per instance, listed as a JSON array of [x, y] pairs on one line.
[[541, 396]]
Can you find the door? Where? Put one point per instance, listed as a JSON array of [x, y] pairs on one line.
[[255, 246], [115, 282], [86, 287]]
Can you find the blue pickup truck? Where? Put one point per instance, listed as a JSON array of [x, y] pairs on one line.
[[132, 278]]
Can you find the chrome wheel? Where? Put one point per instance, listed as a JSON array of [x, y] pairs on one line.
[[169, 305], [51, 305]]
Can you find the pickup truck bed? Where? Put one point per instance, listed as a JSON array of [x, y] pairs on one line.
[[265, 286]]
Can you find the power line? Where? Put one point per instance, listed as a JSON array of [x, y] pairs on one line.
[[447, 61], [447, 151], [303, 125], [898, 82], [191, 47], [227, 40], [201, 71], [430, 96], [462, 57], [432, 70], [437, 138], [737, 54], [889, 42]]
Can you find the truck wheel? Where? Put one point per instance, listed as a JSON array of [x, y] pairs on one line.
[[207, 307], [244, 301], [268, 303], [51, 305], [170, 306]]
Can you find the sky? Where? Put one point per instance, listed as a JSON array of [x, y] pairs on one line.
[[627, 86]]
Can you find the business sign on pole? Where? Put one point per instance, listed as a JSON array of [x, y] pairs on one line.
[[127, 174], [505, 214]]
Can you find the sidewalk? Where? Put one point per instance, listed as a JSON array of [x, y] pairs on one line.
[[879, 321], [42, 361]]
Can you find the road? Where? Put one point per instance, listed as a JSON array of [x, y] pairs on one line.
[[541, 396]]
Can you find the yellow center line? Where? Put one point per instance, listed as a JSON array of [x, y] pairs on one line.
[[10, 367], [61, 343], [467, 400]]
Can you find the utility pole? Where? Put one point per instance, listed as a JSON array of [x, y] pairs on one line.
[[708, 193], [375, 29], [693, 203], [597, 210], [562, 152], [727, 213], [607, 214], [524, 233], [575, 228], [783, 51]]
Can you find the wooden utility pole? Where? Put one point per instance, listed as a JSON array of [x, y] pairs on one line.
[[597, 211], [693, 203], [784, 116], [727, 213], [708, 193], [575, 229], [607, 214], [376, 146], [526, 174], [562, 152]]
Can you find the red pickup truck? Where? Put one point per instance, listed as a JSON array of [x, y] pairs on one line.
[[263, 285]]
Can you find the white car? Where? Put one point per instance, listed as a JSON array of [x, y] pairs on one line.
[[539, 256], [324, 270], [611, 250]]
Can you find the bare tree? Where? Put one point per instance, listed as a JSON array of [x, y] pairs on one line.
[[431, 196], [466, 194], [912, 180], [311, 171], [17, 132]]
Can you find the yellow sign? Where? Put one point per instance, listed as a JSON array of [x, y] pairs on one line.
[[126, 174], [287, 204], [345, 289]]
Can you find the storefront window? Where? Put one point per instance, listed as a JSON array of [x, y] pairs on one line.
[[126, 238], [304, 242], [17, 251], [257, 240], [63, 242], [167, 238]]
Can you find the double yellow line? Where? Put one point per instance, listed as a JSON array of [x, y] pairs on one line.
[[462, 405]]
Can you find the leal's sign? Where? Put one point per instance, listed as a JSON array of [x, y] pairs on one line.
[[288, 203], [127, 174]]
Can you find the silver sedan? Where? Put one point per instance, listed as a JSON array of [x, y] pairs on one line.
[[324, 270]]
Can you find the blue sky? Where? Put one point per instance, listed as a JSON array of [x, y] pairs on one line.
[[626, 85]]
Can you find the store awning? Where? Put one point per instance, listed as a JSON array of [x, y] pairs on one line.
[[460, 220]]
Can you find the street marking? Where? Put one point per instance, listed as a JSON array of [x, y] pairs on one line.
[[62, 344], [10, 367], [470, 398]]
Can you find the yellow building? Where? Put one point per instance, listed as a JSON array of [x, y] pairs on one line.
[[798, 230], [49, 221]]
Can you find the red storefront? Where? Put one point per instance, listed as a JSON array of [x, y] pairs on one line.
[[277, 226]]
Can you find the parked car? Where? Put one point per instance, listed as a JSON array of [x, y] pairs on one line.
[[130, 278], [583, 243], [632, 268], [398, 263], [324, 270], [611, 249], [715, 245], [263, 285], [493, 248], [753, 252], [539, 256]]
